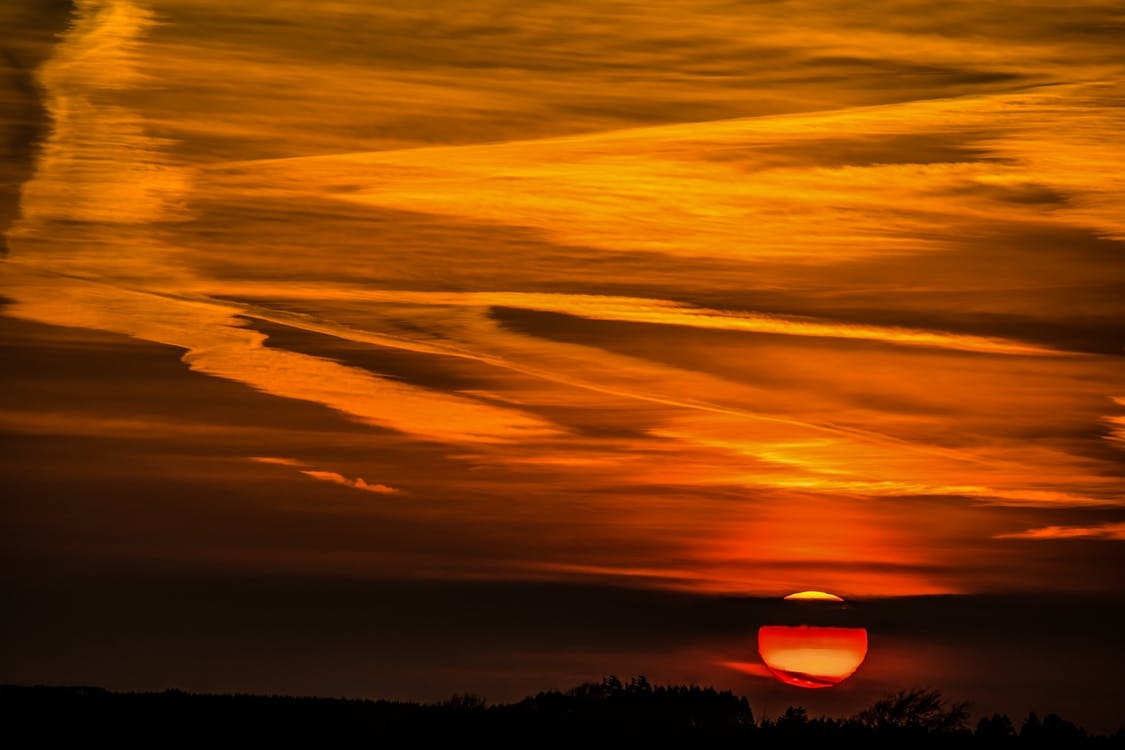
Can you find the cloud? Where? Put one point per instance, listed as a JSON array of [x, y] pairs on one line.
[[721, 188], [276, 460], [760, 306], [754, 669], [358, 483], [1102, 531], [618, 309], [1116, 424], [98, 164], [218, 344]]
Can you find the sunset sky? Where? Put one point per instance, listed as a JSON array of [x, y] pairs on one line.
[[398, 349]]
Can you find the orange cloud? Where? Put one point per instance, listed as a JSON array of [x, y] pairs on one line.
[[772, 317], [99, 165], [218, 344], [1102, 531], [276, 460], [661, 312], [668, 190], [358, 483]]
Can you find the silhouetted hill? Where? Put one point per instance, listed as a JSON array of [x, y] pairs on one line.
[[606, 714]]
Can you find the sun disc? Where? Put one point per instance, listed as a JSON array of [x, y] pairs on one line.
[[814, 596], [811, 655]]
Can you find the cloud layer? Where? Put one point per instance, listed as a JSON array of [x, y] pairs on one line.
[[606, 291]]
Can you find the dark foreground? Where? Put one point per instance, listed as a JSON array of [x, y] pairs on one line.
[[605, 714]]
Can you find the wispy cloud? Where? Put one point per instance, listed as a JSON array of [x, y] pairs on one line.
[[652, 311], [358, 483], [1102, 531], [721, 189], [276, 460], [647, 301], [99, 164], [218, 344]]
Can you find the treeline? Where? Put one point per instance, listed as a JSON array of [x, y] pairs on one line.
[[609, 713]]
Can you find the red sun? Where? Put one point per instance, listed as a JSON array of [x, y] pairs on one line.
[[812, 655]]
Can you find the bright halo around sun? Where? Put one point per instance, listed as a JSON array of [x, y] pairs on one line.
[[815, 648]]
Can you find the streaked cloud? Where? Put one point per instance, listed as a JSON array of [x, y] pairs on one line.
[[218, 344], [358, 483], [661, 312], [616, 294], [333, 477], [1102, 531], [276, 460], [98, 163], [719, 189]]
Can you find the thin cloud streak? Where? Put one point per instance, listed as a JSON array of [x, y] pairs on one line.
[[276, 460], [217, 344], [359, 483], [1103, 531], [659, 312]]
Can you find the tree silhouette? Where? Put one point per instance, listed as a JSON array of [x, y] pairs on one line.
[[915, 710], [996, 730], [610, 713], [1052, 731], [793, 719], [465, 702]]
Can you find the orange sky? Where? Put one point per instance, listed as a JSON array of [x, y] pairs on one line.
[[719, 298]]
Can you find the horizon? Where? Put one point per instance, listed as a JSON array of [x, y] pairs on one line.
[[463, 348]]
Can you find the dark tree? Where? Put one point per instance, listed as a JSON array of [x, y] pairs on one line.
[[611, 713], [917, 709], [996, 731]]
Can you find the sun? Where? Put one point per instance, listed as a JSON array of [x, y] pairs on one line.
[[811, 654], [814, 596]]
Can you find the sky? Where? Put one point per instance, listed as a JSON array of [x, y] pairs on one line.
[[401, 349]]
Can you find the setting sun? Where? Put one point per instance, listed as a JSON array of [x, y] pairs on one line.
[[812, 657], [814, 596], [817, 652]]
